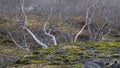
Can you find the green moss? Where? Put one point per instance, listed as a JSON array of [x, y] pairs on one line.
[[48, 51], [60, 58], [55, 62], [115, 45], [86, 57], [72, 53], [97, 45], [72, 58], [75, 51], [80, 65], [34, 57], [66, 66], [23, 62], [87, 50], [67, 59], [115, 55], [106, 55], [36, 52], [36, 62], [103, 55]]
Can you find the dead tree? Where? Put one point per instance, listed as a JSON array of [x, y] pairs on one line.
[[88, 21]]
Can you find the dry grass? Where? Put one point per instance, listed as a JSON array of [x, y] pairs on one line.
[[10, 50]]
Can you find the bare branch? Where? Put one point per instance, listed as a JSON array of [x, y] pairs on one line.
[[26, 18], [48, 34], [29, 31], [44, 46], [87, 20], [25, 42], [16, 42]]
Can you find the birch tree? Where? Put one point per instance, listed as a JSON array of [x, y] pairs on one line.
[[88, 20]]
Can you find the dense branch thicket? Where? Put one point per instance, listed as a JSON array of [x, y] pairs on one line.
[[51, 22]]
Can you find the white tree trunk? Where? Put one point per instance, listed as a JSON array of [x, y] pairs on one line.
[[88, 20], [36, 39], [29, 31], [76, 37], [50, 35]]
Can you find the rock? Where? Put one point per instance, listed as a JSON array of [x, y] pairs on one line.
[[7, 60], [115, 65], [91, 65]]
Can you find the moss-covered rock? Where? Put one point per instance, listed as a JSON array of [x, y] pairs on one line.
[[72, 54]]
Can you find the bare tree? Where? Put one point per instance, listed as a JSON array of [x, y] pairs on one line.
[[49, 32], [88, 20], [28, 30], [98, 20]]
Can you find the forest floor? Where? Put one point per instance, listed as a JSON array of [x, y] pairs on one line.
[[67, 55]]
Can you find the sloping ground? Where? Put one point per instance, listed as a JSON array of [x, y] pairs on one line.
[[73, 55], [9, 55]]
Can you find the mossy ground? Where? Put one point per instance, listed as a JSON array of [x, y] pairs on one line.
[[70, 55]]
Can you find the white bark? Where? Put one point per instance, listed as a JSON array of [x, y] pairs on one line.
[[76, 37], [36, 39], [50, 35], [88, 25], [27, 49], [49, 32], [29, 31], [103, 31], [25, 42], [26, 18], [87, 20], [104, 36], [104, 25]]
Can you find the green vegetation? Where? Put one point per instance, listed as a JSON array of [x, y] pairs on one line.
[[71, 54]]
